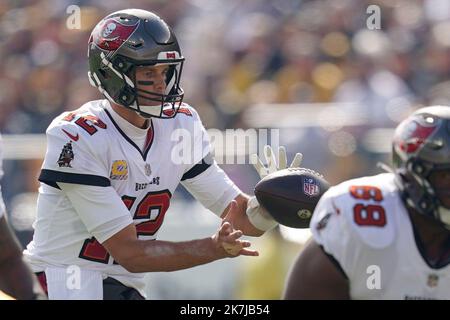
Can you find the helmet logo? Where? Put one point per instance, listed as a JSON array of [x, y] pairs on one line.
[[110, 27], [413, 135], [110, 34]]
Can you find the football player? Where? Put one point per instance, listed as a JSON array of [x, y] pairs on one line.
[[112, 167], [385, 236], [16, 278]]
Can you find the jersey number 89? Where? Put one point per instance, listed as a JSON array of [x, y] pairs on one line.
[[370, 214]]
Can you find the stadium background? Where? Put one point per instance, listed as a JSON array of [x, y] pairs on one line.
[[311, 69]]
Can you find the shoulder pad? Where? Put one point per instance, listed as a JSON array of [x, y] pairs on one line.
[[85, 118]]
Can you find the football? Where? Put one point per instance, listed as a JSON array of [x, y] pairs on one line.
[[291, 195]]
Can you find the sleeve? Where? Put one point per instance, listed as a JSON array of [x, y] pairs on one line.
[[100, 208], [199, 158], [212, 188], [2, 204], [202, 177], [332, 232], [74, 157]]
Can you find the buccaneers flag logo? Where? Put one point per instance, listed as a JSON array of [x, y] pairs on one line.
[[414, 133], [66, 156], [111, 34]]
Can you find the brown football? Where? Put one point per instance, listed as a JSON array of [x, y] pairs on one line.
[[291, 195]]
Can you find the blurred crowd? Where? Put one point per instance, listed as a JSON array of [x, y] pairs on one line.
[[238, 53], [306, 53]]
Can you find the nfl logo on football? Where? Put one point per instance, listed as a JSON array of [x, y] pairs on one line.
[[310, 187]]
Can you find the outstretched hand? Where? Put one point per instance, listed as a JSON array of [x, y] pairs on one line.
[[272, 165], [257, 215], [228, 238]]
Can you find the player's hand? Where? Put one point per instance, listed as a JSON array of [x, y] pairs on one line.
[[257, 215], [227, 238], [272, 165]]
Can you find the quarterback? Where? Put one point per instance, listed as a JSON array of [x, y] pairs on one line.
[[385, 236], [109, 173]]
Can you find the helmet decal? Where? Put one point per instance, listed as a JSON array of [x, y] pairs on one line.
[[111, 34], [412, 135]]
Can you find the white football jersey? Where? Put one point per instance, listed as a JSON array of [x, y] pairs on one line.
[[364, 225], [2, 205], [88, 147]]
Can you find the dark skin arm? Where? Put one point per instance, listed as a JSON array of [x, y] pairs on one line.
[[314, 277], [16, 278], [239, 219]]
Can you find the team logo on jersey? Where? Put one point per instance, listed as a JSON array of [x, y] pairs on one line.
[[310, 187], [119, 170], [66, 156], [148, 169], [433, 280], [143, 186]]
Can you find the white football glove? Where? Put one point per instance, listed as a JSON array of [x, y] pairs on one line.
[[272, 162], [257, 215]]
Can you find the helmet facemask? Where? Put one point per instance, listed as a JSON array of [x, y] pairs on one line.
[[420, 193], [440, 183], [162, 105], [156, 105]]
